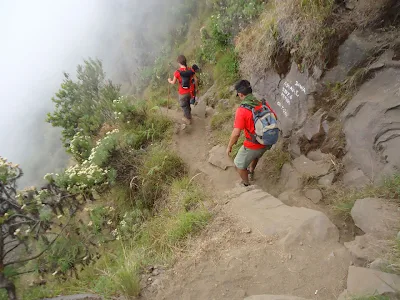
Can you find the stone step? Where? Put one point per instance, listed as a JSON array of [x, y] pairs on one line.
[[272, 218]]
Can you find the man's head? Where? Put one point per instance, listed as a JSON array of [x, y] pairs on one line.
[[182, 60], [243, 88]]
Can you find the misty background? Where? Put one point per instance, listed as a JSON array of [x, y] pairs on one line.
[[42, 39]]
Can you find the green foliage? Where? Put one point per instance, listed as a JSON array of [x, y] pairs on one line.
[[83, 105], [221, 118], [343, 199], [226, 70], [160, 168], [273, 163], [186, 193]]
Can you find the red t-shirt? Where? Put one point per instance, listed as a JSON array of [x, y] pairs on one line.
[[244, 121], [181, 90]]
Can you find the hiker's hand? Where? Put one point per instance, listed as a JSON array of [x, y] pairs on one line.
[[228, 151], [170, 80]]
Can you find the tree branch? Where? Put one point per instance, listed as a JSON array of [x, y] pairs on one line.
[[43, 251], [11, 249]]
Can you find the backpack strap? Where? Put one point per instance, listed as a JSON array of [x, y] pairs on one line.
[[253, 136]]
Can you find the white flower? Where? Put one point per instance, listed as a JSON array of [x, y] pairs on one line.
[[90, 223], [6, 214], [59, 216], [111, 208], [27, 231], [123, 223], [85, 258], [55, 273], [117, 238], [109, 222], [16, 232]]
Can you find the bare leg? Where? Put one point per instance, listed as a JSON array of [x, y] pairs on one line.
[[253, 165], [244, 175]]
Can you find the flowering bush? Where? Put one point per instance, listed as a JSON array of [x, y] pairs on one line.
[[81, 178], [80, 146], [100, 154]]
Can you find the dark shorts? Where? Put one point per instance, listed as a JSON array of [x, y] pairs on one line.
[[184, 102]]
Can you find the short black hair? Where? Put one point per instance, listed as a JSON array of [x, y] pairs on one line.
[[243, 87], [195, 68]]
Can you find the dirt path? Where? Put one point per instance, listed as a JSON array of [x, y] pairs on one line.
[[234, 258]]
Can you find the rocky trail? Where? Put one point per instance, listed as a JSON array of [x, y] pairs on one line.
[[258, 246]]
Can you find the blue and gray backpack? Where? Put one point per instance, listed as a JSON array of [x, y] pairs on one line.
[[265, 125]]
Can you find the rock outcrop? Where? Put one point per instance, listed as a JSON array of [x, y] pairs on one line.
[[219, 158], [377, 217], [290, 225], [372, 126], [367, 248], [367, 282]]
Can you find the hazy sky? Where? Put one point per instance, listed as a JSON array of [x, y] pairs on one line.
[[40, 40]]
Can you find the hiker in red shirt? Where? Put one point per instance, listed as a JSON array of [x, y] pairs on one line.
[[247, 158], [184, 76]]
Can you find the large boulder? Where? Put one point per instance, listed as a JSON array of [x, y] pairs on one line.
[[367, 248], [307, 167], [273, 297], [290, 179], [366, 282], [312, 127], [291, 225], [219, 158], [371, 122], [377, 217], [355, 178], [290, 97]]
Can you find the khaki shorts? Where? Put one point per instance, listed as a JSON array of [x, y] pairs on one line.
[[245, 156]]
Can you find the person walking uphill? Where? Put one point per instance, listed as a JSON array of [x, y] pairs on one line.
[[184, 76], [259, 123]]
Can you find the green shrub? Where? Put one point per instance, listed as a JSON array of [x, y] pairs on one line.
[[220, 119], [160, 168], [273, 163], [226, 70]]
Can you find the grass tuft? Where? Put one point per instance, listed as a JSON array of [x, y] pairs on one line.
[[273, 162]]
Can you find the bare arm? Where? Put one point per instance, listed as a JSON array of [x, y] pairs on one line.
[[233, 140], [172, 81]]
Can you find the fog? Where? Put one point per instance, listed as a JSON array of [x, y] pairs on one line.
[[43, 38]]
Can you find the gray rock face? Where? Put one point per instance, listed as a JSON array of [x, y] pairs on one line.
[[372, 125], [314, 195], [378, 264], [366, 248], [290, 179], [363, 282], [219, 158], [326, 180], [305, 166], [291, 225], [377, 217], [290, 97], [354, 51], [355, 178], [312, 127], [317, 155], [273, 297]]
